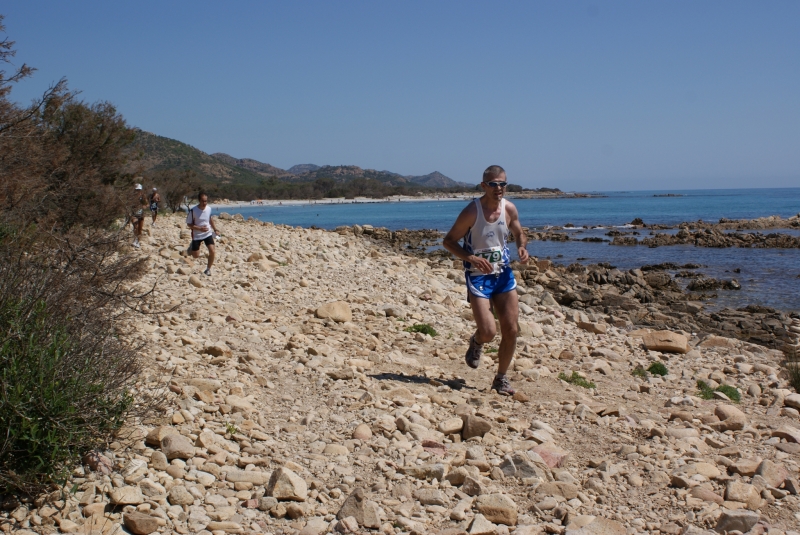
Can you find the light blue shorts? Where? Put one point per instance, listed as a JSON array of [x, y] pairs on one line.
[[486, 286]]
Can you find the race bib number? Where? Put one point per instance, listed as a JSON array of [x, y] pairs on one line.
[[493, 255]]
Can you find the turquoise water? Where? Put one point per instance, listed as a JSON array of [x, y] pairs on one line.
[[616, 208], [768, 276]]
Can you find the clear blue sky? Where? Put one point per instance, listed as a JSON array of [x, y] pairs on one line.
[[578, 95]]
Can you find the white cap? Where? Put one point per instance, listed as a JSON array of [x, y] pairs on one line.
[[137, 186], [155, 189]]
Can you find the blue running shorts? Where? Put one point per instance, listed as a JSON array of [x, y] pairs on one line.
[[486, 286]]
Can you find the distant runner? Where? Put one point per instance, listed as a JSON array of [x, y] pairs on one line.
[[200, 220], [155, 198], [137, 218], [484, 225]]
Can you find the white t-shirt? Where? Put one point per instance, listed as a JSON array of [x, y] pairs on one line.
[[200, 218]]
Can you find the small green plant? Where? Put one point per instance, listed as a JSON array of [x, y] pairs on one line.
[[423, 328], [639, 372], [576, 379], [730, 391], [490, 350], [706, 392], [230, 428], [657, 368]]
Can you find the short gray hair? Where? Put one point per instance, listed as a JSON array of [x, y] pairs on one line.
[[492, 172]]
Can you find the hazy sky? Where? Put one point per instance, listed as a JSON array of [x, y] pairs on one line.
[[578, 95]]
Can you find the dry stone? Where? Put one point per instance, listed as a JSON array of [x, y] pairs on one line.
[[286, 485], [365, 511], [140, 523], [666, 342], [474, 426], [177, 447], [497, 508], [338, 311]]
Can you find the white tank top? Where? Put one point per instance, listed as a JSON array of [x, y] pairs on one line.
[[488, 240]]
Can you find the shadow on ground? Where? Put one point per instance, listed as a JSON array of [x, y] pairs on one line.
[[455, 384]]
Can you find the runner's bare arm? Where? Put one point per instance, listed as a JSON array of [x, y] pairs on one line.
[[519, 235], [460, 228]]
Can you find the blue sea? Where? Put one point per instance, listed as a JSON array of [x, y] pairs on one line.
[[768, 277]]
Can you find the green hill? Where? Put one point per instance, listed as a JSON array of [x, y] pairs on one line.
[[247, 179], [151, 153]]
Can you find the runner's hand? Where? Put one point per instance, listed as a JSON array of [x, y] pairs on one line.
[[523, 255], [482, 264]]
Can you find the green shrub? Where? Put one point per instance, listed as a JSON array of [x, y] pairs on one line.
[[706, 392], [657, 368], [638, 371], [731, 391], [423, 328], [576, 379], [62, 394]]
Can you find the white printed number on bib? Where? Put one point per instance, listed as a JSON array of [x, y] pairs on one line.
[[493, 255]]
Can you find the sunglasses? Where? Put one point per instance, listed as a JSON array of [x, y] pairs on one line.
[[496, 184]]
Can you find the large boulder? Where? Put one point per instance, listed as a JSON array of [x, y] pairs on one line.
[[338, 311], [731, 418], [666, 342], [286, 485], [474, 426], [177, 447], [739, 520], [497, 508], [366, 512]]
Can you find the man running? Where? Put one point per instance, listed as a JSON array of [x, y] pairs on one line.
[[200, 220], [484, 225], [137, 219], [155, 198]]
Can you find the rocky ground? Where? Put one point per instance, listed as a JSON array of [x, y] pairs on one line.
[[299, 402]]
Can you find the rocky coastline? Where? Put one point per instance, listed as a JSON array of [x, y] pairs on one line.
[[302, 401]]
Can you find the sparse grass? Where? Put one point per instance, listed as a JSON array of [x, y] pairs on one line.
[[576, 379], [657, 368], [639, 372], [490, 350], [706, 392], [423, 328], [230, 428]]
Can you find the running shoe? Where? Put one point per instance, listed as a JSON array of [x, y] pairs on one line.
[[473, 356], [207, 272], [503, 386]]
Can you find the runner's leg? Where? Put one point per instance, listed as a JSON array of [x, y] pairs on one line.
[[484, 319], [507, 307], [212, 253]]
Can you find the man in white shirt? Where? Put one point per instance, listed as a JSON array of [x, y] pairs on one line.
[[201, 223]]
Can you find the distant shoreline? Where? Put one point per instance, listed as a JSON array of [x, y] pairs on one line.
[[392, 199]]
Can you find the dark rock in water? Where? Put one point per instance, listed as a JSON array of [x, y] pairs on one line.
[[661, 267], [638, 222], [705, 284], [684, 274], [732, 284]]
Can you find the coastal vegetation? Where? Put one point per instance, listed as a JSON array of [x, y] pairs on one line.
[[67, 379]]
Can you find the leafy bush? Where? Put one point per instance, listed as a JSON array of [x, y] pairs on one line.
[[576, 379], [657, 368], [423, 328], [67, 380], [64, 389], [706, 392]]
